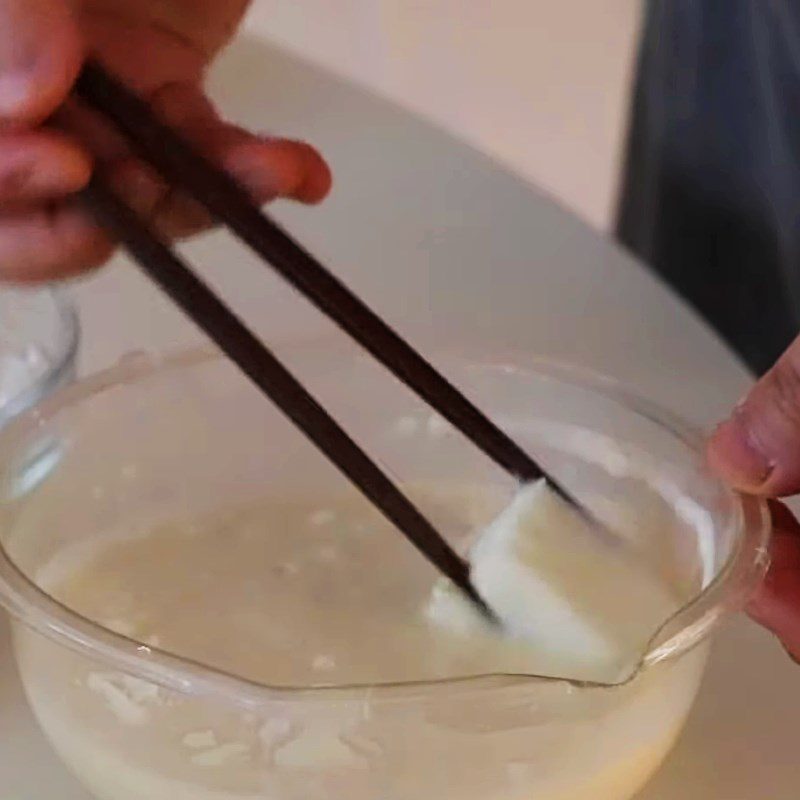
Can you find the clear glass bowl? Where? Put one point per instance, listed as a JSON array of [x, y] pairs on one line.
[[157, 438], [39, 335]]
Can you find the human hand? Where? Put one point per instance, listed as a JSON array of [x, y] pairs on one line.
[[159, 47], [758, 451]]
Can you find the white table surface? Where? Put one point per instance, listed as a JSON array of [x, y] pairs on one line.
[[453, 249]]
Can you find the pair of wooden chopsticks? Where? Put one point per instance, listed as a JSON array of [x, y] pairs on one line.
[[178, 162]]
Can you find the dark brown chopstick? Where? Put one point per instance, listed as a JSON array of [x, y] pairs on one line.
[[179, 162], [236, 340]]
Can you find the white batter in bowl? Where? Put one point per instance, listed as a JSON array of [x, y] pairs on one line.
[[204, 611]]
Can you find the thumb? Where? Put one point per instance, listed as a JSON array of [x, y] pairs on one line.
[[40, 55], [757, 449]]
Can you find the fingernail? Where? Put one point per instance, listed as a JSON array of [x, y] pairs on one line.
[[735, 454], [32, 179], [42, 180], [257, 184], [15, 91]]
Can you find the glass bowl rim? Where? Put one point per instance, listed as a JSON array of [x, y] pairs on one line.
[[62, 365], [34, 608]]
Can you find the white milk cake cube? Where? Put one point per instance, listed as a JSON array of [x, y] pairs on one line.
[[584, 606]]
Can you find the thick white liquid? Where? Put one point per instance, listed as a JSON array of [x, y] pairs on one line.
[[298, 593]]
